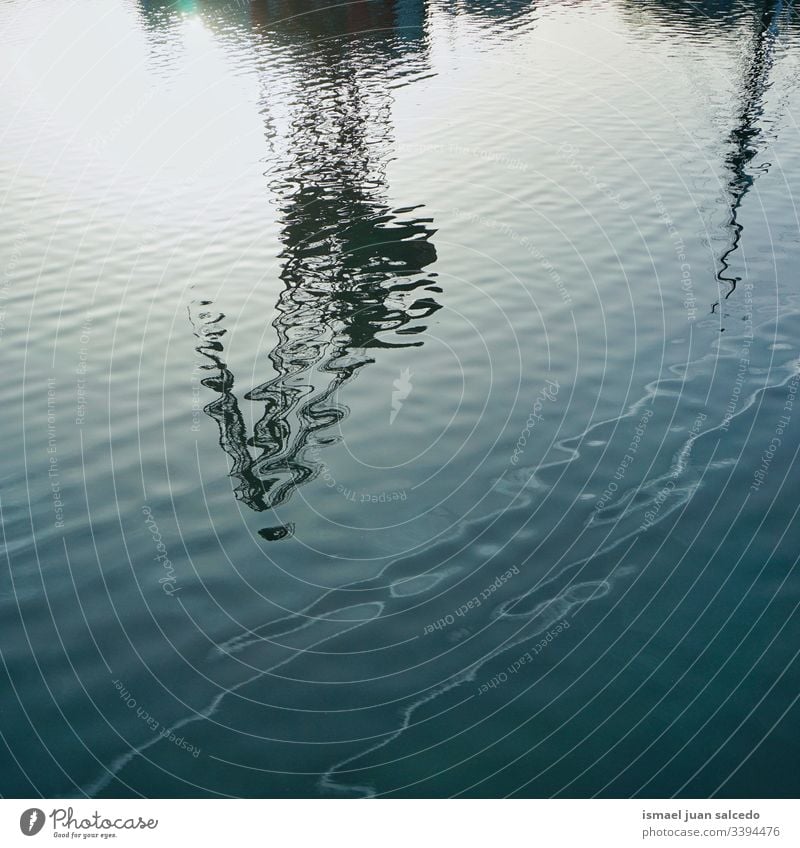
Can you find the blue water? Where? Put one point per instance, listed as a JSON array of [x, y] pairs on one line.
[[400, 398]]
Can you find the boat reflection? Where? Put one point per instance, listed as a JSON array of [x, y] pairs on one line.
[[352, 267]]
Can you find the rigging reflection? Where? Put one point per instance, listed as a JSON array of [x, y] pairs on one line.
[[744, 141], [761, 21]]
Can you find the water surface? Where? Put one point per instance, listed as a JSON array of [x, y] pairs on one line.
[[400, 398]]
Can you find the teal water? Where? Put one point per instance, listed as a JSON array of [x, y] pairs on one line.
[[400, 398]]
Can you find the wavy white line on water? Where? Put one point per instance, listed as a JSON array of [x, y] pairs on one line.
[[548, 611], [120, 762]]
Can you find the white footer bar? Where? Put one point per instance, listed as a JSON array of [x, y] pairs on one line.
[[401, 823]]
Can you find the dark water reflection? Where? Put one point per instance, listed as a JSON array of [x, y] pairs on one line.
[[450, 351], [346, 254], [351, 266], [746, 133]]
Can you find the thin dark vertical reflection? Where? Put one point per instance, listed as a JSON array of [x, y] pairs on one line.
[[352, 267], [765, 21], [745, 139]]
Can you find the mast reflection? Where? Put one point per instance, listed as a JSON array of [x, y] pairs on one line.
[[744, 139]]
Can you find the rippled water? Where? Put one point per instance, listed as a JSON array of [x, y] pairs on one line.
[[399, 398]]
